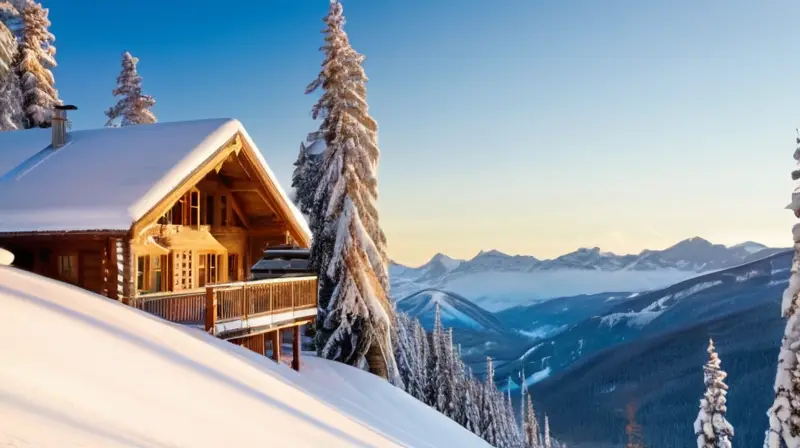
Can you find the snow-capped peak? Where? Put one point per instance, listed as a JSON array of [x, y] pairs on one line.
[[490, 253], [446, 261], [750, 247]]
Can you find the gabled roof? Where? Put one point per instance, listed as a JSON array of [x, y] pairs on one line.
[[108, 179]]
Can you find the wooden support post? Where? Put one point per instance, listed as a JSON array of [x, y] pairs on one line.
[[276, 345], [211, 310], [111, 265], [296, 347]]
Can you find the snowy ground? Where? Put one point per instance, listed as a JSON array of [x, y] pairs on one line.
[[80, 370]]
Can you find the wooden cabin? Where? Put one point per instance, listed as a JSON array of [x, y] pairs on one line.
[[148, 212]]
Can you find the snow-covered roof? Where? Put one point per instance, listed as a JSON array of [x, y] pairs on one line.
[[119, 377], [107, 179]]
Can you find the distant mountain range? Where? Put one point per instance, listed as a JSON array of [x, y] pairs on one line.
[[645, 352], [600, 336], [497, 281]]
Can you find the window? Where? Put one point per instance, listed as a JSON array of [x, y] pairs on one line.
[[208, 266], [233, 268], [194, 201], [223, 210], [176, 214], [212, 268], [209, 210], [68, 268], [156, 271], [201, 270], [182, 270], [141, 271]]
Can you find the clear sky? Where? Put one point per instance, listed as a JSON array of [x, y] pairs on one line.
[[531, 127]]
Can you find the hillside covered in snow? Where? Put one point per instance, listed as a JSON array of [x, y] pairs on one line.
[[81, 370], [497, 281]]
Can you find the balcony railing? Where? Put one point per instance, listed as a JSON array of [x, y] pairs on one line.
[[236, 308]]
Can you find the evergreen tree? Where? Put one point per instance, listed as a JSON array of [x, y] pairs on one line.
[[488, 406], [436, 375], [305, 177], [10, 101], [35, 59], [349, 247], [547, 442], [423, 353], [531, 425], [134, 106], [11, 16], [784, 414], [470, 416], [449, 373], [711, 427], [404, 352]]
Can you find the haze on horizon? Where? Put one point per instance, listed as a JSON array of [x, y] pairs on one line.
[[528, 127]]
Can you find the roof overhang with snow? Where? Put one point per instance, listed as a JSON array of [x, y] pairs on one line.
[[123, 179]]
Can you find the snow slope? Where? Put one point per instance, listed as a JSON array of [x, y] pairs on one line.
[[80, 370]]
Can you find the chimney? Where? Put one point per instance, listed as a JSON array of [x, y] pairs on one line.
[[60, 125]]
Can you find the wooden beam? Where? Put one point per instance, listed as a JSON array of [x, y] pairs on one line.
[[244, 185], [128, 268], [238, 211], [211, 310], [111, 264], [275, 337], [296, 348]]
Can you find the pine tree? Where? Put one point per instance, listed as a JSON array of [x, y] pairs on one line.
[[436, 375], [134, 106], [10, 101], [449, 376], [784, 414], [547, 442], [349, 247], [305, 177], [531, 425], [488, 406], [34, 61], [423, 353], [711, 427], [11, 16]]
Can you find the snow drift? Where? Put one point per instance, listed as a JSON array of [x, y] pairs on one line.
[[78, 369]]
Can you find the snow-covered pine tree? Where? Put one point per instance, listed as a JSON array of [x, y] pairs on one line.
[[468, 389], [531, 425], [711, 427], [449, 375], [436, 376], [11, 16], [305, 177], [423, 352], [784, 414], [134, 106], [10, 101], [403, 350], [35, 59], [349, 247], [547, 442], [488, 406]]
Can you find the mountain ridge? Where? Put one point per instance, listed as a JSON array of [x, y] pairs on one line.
[[696, 253]]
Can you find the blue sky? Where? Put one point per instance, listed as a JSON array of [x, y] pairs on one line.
[[526, 126]]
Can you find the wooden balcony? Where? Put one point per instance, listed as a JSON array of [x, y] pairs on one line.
[[238, 310]]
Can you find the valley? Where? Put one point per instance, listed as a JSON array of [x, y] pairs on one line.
[[630, 352]]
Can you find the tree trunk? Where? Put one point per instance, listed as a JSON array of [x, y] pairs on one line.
[[376, 361]]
